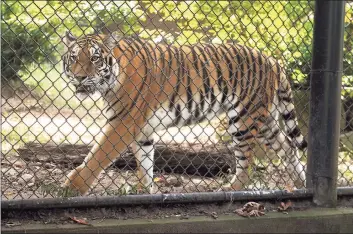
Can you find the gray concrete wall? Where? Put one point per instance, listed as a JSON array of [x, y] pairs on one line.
[[309, 221]]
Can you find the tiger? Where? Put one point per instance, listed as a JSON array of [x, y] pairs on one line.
[[148, 86]]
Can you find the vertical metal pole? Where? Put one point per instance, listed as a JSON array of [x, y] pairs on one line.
[[325, 101]]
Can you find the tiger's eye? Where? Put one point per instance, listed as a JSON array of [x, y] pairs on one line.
[[94, 58]]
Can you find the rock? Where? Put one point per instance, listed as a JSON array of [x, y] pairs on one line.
[[27, 177], [9, 172], [57, 171], [49, 165], [34, 164], [36, 168], [176, 182], [197, 181], [42, 173], [342, 182]]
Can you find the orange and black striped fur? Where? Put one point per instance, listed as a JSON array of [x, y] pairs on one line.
[[149, 87]]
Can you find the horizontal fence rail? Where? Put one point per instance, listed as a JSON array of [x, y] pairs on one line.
[[144, 101]]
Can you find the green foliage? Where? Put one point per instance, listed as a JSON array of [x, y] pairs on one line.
[[22, 42], [32, 30], [282, 29], [347, 78]]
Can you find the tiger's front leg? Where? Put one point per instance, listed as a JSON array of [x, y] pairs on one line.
[[114, 140], [144, 154]]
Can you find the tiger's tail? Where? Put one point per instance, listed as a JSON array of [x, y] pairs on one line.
[[287, 110]]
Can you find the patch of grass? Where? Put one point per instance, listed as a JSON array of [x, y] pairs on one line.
[[55, 190], [123, 190]]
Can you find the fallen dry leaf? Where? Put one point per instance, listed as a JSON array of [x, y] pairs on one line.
[[285, 206], [184, 216], [159, 179], [241, 212], [251, 209], [19, 165], [79, 221], [214, 215], [11, 224]]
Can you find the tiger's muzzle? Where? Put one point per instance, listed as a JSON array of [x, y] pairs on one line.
[[84, 85]]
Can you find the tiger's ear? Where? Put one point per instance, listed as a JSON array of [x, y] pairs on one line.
[[69, 38], [111, 39]]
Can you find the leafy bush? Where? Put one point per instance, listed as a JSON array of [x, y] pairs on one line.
[[23, 42], [32, 30]]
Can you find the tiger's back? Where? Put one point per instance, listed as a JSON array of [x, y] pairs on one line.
[[200, 82]]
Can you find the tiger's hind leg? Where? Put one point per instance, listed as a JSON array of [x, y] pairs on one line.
[[243, 159], [274, 138], [242, 133]]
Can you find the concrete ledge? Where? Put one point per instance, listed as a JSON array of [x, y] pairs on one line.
[[309, 221]]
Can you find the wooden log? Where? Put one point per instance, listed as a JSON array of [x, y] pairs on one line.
[[193, 159]]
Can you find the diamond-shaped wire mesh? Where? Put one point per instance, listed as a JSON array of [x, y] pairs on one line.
[[175, 79], [345, 168]]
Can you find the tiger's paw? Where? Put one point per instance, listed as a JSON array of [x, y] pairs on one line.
[[75, 183]]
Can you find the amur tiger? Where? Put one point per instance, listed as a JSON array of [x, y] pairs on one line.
[[150, 86]]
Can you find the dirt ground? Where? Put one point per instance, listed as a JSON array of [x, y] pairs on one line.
[[34, 179], [23, 179]]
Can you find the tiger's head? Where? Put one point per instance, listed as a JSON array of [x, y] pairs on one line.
[[89, 63]]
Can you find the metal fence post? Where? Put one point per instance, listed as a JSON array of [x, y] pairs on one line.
[[324, 122]]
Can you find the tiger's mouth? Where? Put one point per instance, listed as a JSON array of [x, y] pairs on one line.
[[90, 86], [85, 89]]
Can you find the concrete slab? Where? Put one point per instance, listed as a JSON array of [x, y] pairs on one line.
[[315, 220]]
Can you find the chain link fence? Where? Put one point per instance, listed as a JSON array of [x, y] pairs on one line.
[[47, 130]]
